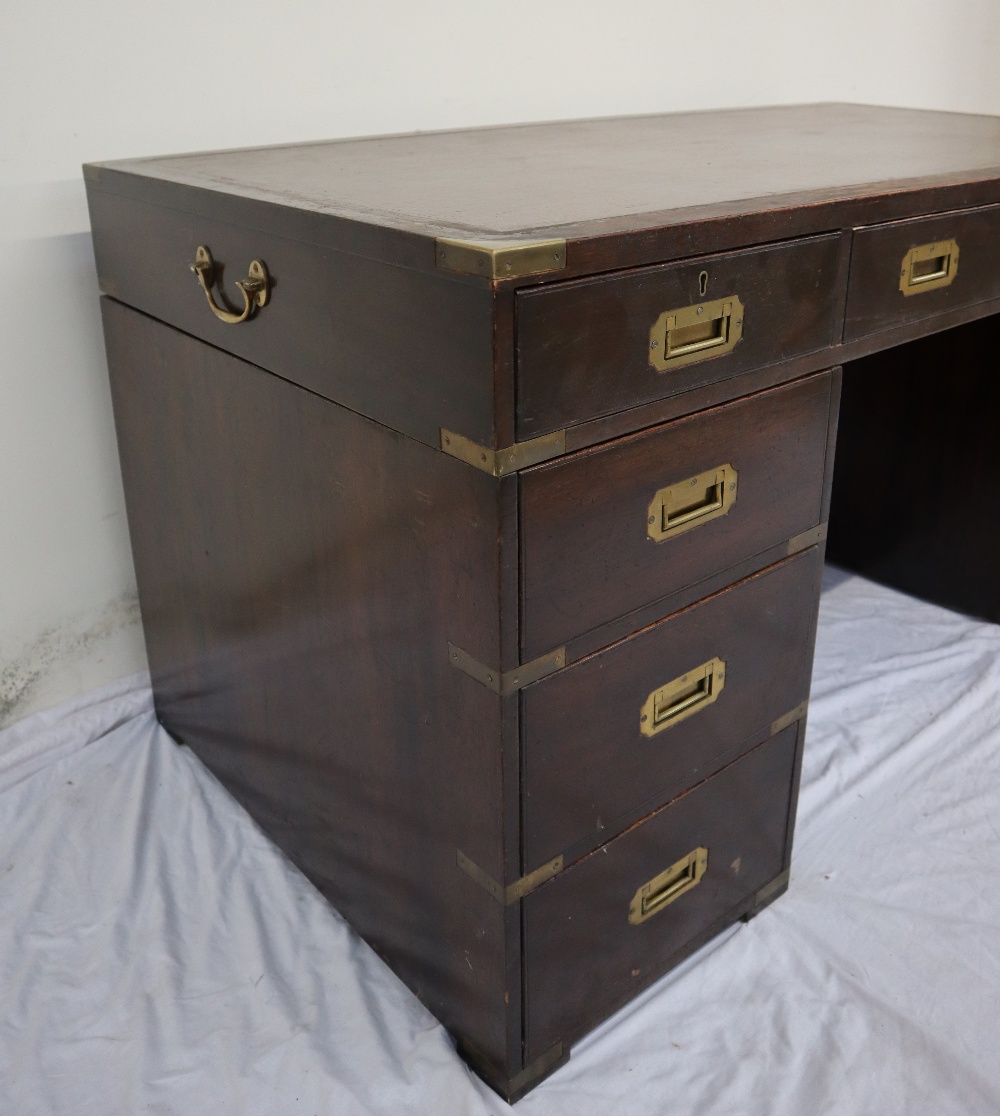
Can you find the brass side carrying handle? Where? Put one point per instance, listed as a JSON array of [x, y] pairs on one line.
[[691, 502], [929, 266], [255, 288], [698, 332], [662, 890], [681, 698]]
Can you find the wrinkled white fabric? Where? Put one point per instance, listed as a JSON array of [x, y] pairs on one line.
[[158, 955]]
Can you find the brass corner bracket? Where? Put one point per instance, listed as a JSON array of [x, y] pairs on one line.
[[512, 892], [512, 680], [807, 539], [498, 463], [789, 718], [500, 259]]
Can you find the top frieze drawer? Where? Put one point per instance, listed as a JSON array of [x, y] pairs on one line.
[[906, 271], [595, 347]]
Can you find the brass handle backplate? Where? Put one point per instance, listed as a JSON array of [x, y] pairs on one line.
[[929, 266], [255, 288], [691, 502], [698, 332], [662, 890], [684, 696]]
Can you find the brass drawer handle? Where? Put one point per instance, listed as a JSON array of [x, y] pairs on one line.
[[255, 288], [692, 502], [928, 267], [684, 696], [699, 332], [662, 890]]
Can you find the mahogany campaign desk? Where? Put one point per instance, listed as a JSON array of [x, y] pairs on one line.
[[478, 485]]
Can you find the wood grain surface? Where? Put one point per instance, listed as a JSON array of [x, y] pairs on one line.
[[588, 768], [301, 571], [414, 352], [586, 556], [874, 300], [623, 191], [739, 816], [568, 176], [583, 346]]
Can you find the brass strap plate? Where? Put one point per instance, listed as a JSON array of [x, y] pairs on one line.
[[690, 503], [662, 890], [536, 1068], [929, 266], [808, 538], [683, 697], [789, 718], [498, 463], [512, 892], [512, 680], [692, 333], [770, 889], [500, 259]]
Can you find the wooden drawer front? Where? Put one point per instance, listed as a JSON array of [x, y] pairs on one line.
[[583, 955], [583, 348], [880, 254], [591, 764], [587, 554]]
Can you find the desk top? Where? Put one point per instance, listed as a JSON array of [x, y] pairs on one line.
[[621, 192], [577, 178]]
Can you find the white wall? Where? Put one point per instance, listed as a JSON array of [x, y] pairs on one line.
[[109, 79]]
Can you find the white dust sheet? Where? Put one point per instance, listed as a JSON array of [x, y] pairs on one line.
[[157, 955]]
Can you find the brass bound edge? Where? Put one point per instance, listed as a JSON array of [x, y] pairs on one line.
[[512, 892], [768, 890], [808, 538], [498, 463], [789, 718], [536, 1068], [512, 680], [500, 259]]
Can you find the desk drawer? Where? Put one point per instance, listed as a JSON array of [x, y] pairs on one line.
[[589, 555], [585, 953], [592, 763], [584, 348], [908, 270]]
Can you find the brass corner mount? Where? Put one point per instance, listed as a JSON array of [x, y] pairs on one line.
[[500, 259]]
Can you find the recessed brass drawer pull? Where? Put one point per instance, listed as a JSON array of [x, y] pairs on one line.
[[928, 267], [255, 288], [662, 890], [689, 503], [669, 704], [699, 332]]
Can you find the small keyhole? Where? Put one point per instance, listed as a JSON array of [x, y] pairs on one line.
[[703, 283]]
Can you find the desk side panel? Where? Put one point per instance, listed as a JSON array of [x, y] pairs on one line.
[[410, 349], [301, 571]]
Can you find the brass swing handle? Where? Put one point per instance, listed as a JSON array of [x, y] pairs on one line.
[[255, 288]]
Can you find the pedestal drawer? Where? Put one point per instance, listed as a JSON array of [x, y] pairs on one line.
[[612, 923], [597, 346], [613, 736], [907, 270], [610, 530]]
